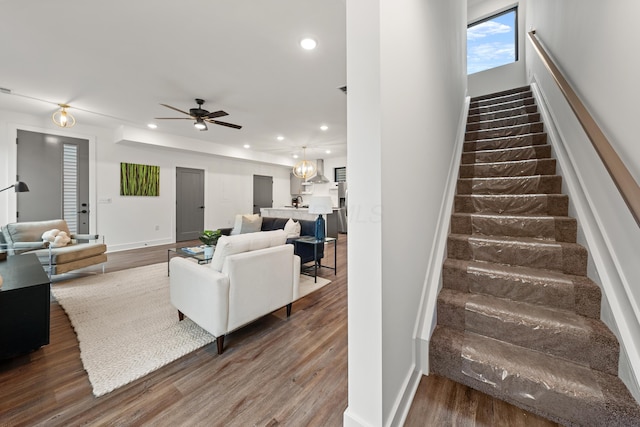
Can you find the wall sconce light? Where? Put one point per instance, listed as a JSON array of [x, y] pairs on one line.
[[63, 118], [20, 187]]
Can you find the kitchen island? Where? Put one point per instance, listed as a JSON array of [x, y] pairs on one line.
[[331, 220]]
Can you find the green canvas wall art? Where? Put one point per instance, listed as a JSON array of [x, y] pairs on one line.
[[139, 180]]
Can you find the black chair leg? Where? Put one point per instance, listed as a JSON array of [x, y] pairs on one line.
[[220, 343], [289, 309]]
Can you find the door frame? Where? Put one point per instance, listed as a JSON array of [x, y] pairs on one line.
[[12, 167]]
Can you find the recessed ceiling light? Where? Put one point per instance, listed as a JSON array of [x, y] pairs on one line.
[[152, 126], [295, 156], [308, 43], [328, 151], [246, 146], [280, 138], [324, 127]]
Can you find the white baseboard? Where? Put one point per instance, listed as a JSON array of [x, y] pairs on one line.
[[138, 245]]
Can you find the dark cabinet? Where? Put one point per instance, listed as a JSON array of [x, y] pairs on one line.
[[24, 305]]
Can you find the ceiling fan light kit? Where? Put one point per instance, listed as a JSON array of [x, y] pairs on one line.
[[63, 118], [201, 116]]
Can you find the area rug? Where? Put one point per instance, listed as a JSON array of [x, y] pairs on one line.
[[126, 325]]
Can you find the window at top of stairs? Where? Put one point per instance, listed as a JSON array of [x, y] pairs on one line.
[[492, 41]]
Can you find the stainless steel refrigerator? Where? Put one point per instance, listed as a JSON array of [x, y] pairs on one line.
[[343, 195]]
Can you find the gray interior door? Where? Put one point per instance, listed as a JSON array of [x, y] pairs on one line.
[[189, 203], [56, 169], [262, 192]]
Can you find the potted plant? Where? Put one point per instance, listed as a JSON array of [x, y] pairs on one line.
[[209, 238]]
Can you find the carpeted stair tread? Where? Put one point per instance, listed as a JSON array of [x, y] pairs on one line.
[[500, 99], [502, 93], [507, 154], [532, 285], [546, 204], [549, 386], [538, 138], [532, 184], [509, 169], [557, 332], [569, 258], [502, 132], [501, 106], [501, 114], [503, 122], [559, 229]]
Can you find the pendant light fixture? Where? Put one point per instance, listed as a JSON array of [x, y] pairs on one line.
[[304, 169], [63, 118]]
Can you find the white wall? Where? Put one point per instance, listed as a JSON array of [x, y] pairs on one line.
[[593, 43], [506, 76], [128, 222], [406, 73]]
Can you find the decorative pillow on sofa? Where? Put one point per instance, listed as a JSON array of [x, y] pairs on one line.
[[56, 238], [246, 224], [292, 228]]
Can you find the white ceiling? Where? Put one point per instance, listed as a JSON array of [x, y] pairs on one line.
[[116, 61]]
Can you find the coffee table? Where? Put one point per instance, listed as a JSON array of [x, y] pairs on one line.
[[186, 254]]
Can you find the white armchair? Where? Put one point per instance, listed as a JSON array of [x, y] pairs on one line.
[[250, 275]]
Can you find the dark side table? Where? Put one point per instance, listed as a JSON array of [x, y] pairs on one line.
[[25, 305], [311, 240]]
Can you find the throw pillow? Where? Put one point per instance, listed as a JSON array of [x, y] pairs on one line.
[[251, 223], [56, 238], [292, 228]]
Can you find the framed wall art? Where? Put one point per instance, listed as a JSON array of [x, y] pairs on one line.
[[139, 180]]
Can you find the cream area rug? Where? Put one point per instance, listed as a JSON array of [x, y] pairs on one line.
[[126, 325]]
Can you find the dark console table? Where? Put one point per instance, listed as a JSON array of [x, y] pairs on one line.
[[24, 305]]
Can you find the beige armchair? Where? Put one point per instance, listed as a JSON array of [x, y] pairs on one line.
[[26, 237]]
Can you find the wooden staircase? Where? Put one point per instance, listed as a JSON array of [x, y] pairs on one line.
[[517, 317]]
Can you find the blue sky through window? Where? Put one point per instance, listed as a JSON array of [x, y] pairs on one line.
[[491, 43]]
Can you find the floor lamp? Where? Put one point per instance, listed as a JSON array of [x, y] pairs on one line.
[[320, 205], [19, 187]]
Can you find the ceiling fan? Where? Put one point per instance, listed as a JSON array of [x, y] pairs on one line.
[[200, 115]]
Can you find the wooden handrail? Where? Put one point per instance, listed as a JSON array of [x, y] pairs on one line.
[[621, 176]]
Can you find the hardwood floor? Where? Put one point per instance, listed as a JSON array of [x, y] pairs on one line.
[[273, 372]]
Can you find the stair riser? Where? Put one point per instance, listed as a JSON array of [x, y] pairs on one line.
[[506, 122], [550, 228], [576, 294], [504, 132], [578, 343], [502, 143], [500, 99], [450, 358], [552, 204], [518, 111], [499, 107], [565, 258], [509, 169], [508, 155], [544, 184]]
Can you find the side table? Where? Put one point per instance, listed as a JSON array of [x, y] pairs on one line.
[[25, 304], [311, 240], [186, 254]]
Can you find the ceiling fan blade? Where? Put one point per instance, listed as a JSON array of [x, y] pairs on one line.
[[215, 114], [175, 109], [173, 118], [230, 125]]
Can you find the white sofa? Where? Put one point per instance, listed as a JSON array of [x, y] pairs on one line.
[[250, 275]]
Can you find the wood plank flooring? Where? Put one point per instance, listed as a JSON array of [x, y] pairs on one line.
[[273, 372]]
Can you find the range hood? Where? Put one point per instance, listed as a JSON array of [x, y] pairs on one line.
[[319, 177]]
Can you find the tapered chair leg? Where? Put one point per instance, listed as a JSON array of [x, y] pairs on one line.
[[180, 316], [220, 343], [289, 309]]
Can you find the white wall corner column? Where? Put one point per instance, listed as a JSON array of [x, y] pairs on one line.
[[404, 107]]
